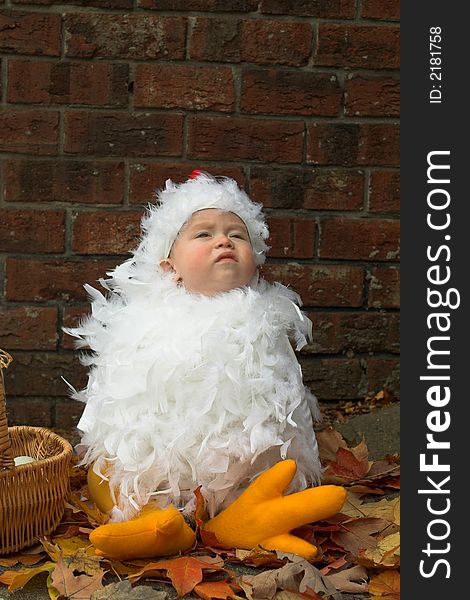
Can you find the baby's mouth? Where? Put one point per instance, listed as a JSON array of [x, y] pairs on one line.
[[226, 256]]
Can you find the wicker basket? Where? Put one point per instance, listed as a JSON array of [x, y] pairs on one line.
[[32, 496]]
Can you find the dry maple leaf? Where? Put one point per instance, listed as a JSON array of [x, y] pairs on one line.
[[216, 589], [298, 576], [184, 572], [350, 580], [356, 534], [346, 468], [74, 587], [386, 585]]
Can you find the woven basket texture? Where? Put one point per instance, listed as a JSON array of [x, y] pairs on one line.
[[33, 495]]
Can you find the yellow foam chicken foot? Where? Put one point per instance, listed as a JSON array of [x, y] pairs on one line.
[[154, 532], [263, 516]]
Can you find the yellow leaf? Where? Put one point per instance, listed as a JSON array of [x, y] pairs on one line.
[[71, 545], [383, 509], [386, 585], [385, 554], [15, 580]]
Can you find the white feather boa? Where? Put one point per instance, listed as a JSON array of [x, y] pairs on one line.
[[186, 390]]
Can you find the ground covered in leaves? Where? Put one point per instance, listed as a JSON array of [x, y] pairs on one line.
[[359, 548]]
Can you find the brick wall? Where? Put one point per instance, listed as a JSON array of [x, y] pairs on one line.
[[102, 100]]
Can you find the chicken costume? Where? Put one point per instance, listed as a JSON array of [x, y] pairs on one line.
[[187, 390]]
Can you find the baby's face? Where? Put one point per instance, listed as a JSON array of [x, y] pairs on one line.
[[212, 253]]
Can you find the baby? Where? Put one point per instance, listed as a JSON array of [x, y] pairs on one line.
[[194, 382]]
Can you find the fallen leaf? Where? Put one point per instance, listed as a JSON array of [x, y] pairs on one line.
[[23, 559], [297, 576], [259, 557], [184, 572], [124, 591], [383, 509], [336, 564], [350, 580], [356, 534], [346, 468], [215, 589], [15, 580], [329, 441], [73, 587], [70, 545], [386, 553], [385, 585], [83, 562]]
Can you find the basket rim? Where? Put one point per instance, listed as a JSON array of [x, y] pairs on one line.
[[41, 462]]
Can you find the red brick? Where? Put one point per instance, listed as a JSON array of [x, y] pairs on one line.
[[31, 231], [388, 10], [290, 93], [334, 378], [384, 191], [32, 131], [30, 33], [290, 237], [365, 46], [34, 412], [360, 239], [137, 36], [249, 40], [317, 189], [346, 332], [47, 82], [182, 86], [117, 4], [325, 9], [372, 96], [147, 178], [123, 134], [42, 280], [32, 374], [238, 138], [105, 232], [201, 5], [320, 285], [67, 414], [384, 287], [383, 374], [354, 144], [86, 182], [28, 328], [72, 317]]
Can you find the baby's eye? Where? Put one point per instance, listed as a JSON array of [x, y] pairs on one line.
[[240, 236], [202, 234]]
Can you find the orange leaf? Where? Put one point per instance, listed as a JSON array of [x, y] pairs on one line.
[[214, 589], [185, 572], [24, 559], [385, 585], [200, 513], [17, 579]]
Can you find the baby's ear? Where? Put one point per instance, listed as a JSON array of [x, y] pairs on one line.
[[167, 265]]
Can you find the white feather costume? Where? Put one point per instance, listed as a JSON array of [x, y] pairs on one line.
[[186, 390]]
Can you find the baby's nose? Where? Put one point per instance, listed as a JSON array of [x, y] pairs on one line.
[[224, 240]]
